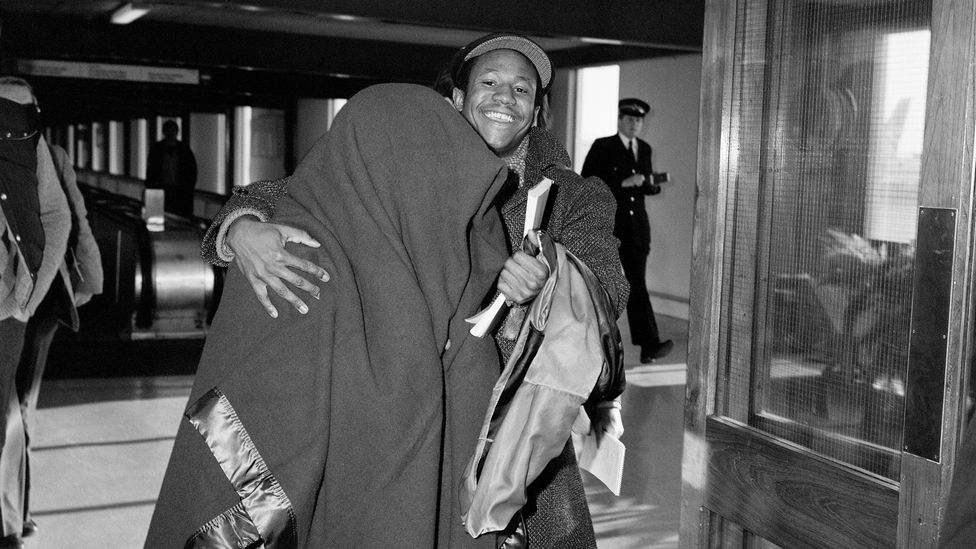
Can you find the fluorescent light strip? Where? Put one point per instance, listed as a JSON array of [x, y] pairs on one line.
[[128, 12]]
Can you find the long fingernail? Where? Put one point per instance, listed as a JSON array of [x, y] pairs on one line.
[[303, 309]]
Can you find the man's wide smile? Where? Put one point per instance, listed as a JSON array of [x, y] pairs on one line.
[[498, 116]]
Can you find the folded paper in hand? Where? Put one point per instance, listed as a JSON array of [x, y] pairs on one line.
[[535, 207], [604, 460]]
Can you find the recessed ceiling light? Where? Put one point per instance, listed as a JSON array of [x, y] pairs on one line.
[[606, 41], [344, 17], [128, 12]]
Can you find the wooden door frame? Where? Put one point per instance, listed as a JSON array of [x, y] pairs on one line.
[[947, 157], [947, 182], [708, 239]]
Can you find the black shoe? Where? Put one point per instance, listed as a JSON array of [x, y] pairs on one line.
[[30, 528], [12, 541], [651, 352]]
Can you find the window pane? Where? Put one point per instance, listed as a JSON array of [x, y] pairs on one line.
[[827, 140], [596, 107]]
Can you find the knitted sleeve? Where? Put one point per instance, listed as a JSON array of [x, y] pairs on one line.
[[583, 213], [258, 199], [582, 221], [587, 231]]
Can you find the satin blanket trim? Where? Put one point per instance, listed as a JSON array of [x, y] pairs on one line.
[[264, 518]]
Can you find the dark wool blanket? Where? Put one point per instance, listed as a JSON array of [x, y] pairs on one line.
[[350, 426]]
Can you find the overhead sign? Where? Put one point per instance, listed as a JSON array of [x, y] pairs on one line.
[[106, 71]]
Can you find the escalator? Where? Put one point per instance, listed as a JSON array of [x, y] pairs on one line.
[[156, 284]]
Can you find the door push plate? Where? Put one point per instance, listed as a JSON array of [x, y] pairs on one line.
[[931, 296]]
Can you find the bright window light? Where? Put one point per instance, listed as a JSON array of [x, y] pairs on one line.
[[596, 107], [897, 128]]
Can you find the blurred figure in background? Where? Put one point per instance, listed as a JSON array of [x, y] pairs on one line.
[[80, 279], [34, 224], [172, 167], [623, 162]]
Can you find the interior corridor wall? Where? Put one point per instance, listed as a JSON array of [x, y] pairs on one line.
[[562, 105], [672, 86], [208, 141], [311, 122], [267, 147]]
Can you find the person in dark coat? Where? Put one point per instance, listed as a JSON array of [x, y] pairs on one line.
[[172, 167], [623, 162]]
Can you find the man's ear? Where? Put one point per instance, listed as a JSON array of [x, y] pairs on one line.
[[458, 96]]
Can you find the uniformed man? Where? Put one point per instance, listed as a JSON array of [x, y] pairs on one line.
[[623, 162]]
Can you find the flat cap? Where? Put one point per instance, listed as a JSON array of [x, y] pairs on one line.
[[508, 41]]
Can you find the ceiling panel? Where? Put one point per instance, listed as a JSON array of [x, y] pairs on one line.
[[266, 51], [668, 24]]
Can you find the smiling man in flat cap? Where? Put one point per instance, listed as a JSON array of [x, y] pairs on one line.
[[623, 162]]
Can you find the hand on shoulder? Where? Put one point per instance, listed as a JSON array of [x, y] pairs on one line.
[[260, 254]]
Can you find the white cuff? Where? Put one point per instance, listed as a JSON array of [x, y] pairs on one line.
[[225, 252]]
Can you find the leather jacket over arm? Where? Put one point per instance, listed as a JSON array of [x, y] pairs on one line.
[[568, 353]]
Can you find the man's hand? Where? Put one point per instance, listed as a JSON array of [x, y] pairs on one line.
[[259, 252], [522, 277], [635, 180], [607, 421]]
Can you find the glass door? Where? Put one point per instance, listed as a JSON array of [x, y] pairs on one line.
[[829, 256]]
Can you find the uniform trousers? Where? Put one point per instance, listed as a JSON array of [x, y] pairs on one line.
[[640, 314]]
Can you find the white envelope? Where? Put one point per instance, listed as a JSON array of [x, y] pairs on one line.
[[604, 460]]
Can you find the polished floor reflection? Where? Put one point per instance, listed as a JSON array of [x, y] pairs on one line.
[[102, 443]]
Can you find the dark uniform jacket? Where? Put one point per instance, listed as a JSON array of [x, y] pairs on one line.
[[609, 160]]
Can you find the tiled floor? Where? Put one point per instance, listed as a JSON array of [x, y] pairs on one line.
[[101, 448]]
